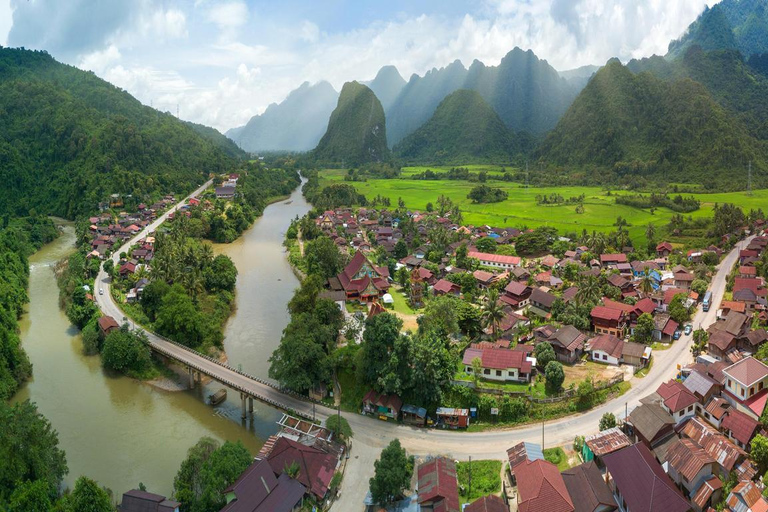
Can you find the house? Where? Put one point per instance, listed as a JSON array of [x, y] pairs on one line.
[[520, 274], [745, 386], [499, 364], [651, 424], [541, 301], [587, 489], [635, 354], [448, 417], [316, 466], [606, 260], [413, 415], [625, 286], [541, 488], [142, 501], [677, 400], [484, 279], [262, 489], [516, 294], [225, 192], [716, 410], [639, 483], [361, 280], [604, 442], [606, 348], [689, 465], [719, 447], [702, 386], [381, 405], [746, 497], [445, 287], [438, 487], [664, 328], [495, 260], [608, 321], [568, 343], [490, 503], [708, 494], [107, 324], [740, 427], [663, 249], [523, 451]]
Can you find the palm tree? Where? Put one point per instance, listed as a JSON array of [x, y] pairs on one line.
[[646, 283], [589, 291], [493, 312]]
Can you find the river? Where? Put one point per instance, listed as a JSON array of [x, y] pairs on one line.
[[119, 431]]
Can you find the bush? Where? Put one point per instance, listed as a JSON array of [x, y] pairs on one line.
[[91, 339], [339, 426], [555, 376], [607, 421], [126, 351]]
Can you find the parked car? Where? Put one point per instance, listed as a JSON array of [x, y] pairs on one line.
[[101, 291], [688, 329], [677, 334]]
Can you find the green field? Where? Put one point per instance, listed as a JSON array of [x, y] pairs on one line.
[[520, 209], [489, 168]]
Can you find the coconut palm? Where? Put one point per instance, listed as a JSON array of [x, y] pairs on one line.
[[646, 283], [589, 290], [493, 313]]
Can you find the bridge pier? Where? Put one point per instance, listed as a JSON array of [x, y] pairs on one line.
[[191, 377], [243, 396], [250, 405], [200, 378]]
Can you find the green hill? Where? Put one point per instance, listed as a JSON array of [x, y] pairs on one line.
[[730, 24], [464, 129], [220, 140], [69, 139], [638, 125], [357, 132]]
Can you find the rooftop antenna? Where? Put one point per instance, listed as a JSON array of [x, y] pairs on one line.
[[749, 179]]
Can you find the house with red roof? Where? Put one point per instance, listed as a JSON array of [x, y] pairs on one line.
[[495, 260], [438, 487], [107, 324], [663, 249], [740, 427], [262, 489], [639, 483], [382, 405], [541, 488], [746, 386], [608, 321], [490, 503], [516, 294], [316, 467], [499, 364], [363, 281], [677, 400], [588, 491], [446, 287]]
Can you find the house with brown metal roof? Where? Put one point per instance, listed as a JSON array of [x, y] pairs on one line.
[[541, 488], [445, 287], [568, 343], [382, 405], [746, 497], [608, 349], [541, 301], [316, 466], [651, 424], [689, 465], [720, 448], [261, 489], [490, 503], [588, 490], [107, 324], [608, 321], [438, 487], [516, 294], [606, 441], [522, 451], [640, 484]]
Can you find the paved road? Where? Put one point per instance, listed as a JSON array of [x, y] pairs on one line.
[[371, 435]]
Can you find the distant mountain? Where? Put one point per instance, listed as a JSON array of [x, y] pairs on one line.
[[730, 24], [357, 132], [527, 93], [69, 139], [579, 73], [387, 85], [638, 125], [464, 129], [221, 141], [296, 124]]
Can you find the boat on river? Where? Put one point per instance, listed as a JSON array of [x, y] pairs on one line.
[[218, 397]]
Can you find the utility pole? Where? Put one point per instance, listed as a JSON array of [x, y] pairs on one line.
[[469, 495], [542, 434]]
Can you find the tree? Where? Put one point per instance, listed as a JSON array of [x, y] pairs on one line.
[[589, 290], [87, 496], [109, 267], [493, 313], [152, 297], [30, 450], [544, 354], [381, 333], [486, 244], [392, 474], [126, 351], [339, 426], [700, 339], [323, 257], [461, 256], [206, 472], [440, 316], [677, 309], [586, 393], [179, 319], [305, 296], [31, 496], [301, 361], [477, 368], [759, 452], [555, 376], [91, 339], [608, 420], [433, 367], [646, 283], [699, 286], [221, 274], [644, 328], [401, 249]]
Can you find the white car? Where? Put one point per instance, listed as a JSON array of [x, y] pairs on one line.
[[101, 291]]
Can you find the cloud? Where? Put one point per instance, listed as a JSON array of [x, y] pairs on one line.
[[6, 20], [229, 15]]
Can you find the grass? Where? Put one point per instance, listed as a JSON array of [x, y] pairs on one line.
[[645, 370], [537, 389], [401, 304], [351, 393], [557, 457], [656, 346], [486, 479], [520, 209]]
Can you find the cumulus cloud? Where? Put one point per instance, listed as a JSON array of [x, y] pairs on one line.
[[223, 61]]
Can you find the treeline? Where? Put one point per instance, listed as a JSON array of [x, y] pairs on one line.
[[558, 199], [678, 204], [331, 196], [69, 139], [18, 239]]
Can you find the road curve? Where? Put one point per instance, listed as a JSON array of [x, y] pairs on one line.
[[371, 435]]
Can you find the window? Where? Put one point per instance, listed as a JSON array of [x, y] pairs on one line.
[[486, 371], [730, 384], [498, 373], [706, 415], [760, 386], [741, 391], [511, 374], [690, 408], [605, 357]]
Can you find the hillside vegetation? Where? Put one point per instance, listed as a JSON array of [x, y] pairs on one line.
[[357, 132], [69, 139], [463, 129], [641, 125]]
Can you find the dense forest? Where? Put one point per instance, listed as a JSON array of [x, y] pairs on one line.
[[69, 139], [463, 129]]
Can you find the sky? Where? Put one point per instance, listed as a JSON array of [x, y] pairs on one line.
[[222, 62]]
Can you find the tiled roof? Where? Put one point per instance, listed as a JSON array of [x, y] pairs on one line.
[[490, 503], [316, 468], [747, 371], [676, 396], [642, 481], [541, 488], [604, 313], [587, 488], [494, 258]]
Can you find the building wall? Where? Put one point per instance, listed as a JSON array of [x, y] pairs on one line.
[[509, 374], [603, 357]]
